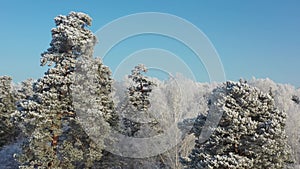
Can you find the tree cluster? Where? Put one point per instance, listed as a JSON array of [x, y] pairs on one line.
[[65, 118]]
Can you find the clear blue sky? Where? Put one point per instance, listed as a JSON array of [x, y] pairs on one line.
[[254, 38]]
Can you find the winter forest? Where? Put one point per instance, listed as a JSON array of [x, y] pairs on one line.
[[78, 116]]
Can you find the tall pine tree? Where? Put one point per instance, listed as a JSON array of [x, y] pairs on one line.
[[56, 138], [250, 133]]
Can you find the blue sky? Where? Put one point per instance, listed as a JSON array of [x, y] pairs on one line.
[[253, 38]]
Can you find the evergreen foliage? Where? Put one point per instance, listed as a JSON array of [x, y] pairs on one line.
[[55, 137], [137, 101], [8, 131], [64, 119], [250, 134]]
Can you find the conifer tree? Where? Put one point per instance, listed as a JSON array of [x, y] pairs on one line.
[[250, 133], [137, 101], [56, 138], [7, 108], [133, 110], [25, 90]]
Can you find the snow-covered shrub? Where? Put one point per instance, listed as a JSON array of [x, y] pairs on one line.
[[250, 133]]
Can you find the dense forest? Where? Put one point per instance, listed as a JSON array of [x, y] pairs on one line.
[[78, 116]]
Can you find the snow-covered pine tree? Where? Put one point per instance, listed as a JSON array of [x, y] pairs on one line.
[[140, 89], [24, 90], [93, 103], [135, 118], [282, 96], [250, 133], [7, 108], [55, 137], [137, 100]]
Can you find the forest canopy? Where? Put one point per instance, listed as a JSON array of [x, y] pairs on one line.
[[78, 116]]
